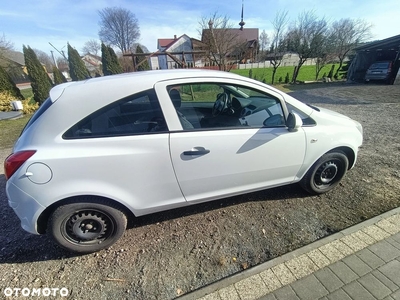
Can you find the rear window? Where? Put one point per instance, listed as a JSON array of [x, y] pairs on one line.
[[380, 65], [135, 114], [45, 105]]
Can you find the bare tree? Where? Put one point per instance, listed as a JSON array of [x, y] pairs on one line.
[[91, 47], [44, 59], [345, 35], [5, 45], [118, 27], [222, 41], [264, 41], [305, 37], [277, 46], [323, 54]]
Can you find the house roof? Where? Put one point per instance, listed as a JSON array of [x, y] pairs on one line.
[[164, 42], [167, 43], [14, 56], [247, 34]]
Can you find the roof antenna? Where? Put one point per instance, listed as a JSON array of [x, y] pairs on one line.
[[241, 24]]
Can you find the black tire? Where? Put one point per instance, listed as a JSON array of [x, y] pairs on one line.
[[87, 226], [326, 173]]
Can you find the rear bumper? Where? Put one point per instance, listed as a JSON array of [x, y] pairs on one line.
[[25, 207], [376, 77]]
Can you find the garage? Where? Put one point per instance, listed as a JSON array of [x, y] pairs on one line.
[[378, 51]]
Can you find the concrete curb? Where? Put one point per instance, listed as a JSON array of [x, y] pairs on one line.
[[297, 264]]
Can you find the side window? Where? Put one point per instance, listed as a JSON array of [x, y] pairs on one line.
[[136, 114], [213, 106]]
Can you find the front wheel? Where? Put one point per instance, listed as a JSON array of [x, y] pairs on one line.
[[87, 226], [326, 173]]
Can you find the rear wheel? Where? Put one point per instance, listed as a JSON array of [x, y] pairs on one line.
[[326, 173], [87, 226]]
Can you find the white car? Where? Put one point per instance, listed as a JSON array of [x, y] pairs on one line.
[[100, 151]]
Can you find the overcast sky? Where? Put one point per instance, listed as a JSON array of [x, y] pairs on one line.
[[38, 22]]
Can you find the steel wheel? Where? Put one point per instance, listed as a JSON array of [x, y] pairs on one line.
[[326, 173], [87, 227]]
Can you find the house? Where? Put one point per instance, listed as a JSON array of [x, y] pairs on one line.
[[171, 53], [237, 44], [14, 63], [93, 64]]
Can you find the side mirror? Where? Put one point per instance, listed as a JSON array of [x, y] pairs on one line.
[[294, 122]]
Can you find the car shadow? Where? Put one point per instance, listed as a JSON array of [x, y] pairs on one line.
[[18, 246]]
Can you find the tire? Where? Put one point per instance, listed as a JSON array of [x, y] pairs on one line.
[[326, 173], [87, 226]]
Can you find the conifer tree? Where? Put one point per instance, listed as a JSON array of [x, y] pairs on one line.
[[7, 85], [145, 65], [77, 69], [58, 76], [115, 65], [110, 61], [40, 81]]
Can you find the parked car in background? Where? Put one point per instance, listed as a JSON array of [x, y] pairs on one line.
[[380, 70], [100, 151]]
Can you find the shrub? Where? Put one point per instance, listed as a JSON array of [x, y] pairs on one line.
[[250, 73], [287, 78], [5, 101], [280, 79], [29, 107]]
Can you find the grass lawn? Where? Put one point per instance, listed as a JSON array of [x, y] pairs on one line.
[[307, 73], [10, 131], [27, 93]]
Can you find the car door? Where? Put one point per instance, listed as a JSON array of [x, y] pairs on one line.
[[214, 161]]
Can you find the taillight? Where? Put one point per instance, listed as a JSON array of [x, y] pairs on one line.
[[15, 160]]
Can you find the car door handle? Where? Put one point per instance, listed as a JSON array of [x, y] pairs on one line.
[[196, 151]]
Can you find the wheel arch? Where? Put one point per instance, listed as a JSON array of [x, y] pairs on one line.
[[351, 156], [45, 215]]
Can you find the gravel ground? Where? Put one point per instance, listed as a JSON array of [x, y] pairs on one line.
[[166, 255]]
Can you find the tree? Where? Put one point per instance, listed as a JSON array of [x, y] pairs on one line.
[[40, 81], [118, 27], [44, 59], [58, 76], [221, 41], [264, 41], [346, 34], [141, 61], [77, 69], [5, 45], [91, 47], [277, 46], [8, 85], [109, 61], [305, 37]]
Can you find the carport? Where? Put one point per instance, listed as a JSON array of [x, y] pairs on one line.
[[387, 49]]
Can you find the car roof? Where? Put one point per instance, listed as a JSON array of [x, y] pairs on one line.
[[145, 78]]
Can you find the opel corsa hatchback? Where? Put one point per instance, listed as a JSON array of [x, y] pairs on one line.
[[100, 151]]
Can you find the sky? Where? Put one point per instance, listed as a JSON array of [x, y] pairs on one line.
[[39, 22]]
